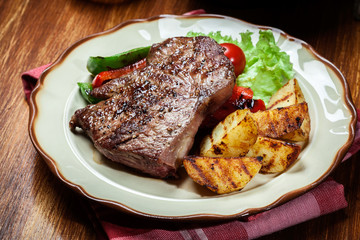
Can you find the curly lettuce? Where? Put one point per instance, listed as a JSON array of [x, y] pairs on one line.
[[267, 67]]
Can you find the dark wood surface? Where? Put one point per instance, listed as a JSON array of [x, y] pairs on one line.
[[36, 205]]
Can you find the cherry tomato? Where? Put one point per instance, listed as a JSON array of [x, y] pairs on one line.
[[236, 56]]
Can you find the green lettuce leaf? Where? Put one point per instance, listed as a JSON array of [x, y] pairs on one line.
[[267, 67]]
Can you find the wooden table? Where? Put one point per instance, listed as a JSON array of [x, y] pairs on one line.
[[36, 205]]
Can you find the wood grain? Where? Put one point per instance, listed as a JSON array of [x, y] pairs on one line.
[[36, 205]]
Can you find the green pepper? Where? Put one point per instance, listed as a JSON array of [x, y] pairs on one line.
[[85, 89], [95, 65]]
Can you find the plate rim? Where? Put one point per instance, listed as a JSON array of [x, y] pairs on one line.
[[123, 208]]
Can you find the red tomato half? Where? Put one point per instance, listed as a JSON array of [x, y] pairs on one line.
[[236, 56]]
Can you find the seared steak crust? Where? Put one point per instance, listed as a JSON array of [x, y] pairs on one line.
[[148, 119]]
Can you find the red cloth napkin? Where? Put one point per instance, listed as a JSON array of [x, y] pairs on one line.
[[326, 198], [110, 224]]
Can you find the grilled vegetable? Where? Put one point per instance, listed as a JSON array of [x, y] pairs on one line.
[[287, 95], [277, 123], [95, 65], [116, 73], [259, 105], [276, 155], [291, 94], [85, 89], [241, 98], [232, 137], [222, 175], [240, 93]]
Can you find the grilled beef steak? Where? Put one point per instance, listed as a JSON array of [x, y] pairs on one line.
[[148, 118]]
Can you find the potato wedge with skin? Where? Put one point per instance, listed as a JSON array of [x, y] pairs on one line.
[[287, 95], [302, 134], [276, 155], [277, 123], [232, 137], [222, 175]]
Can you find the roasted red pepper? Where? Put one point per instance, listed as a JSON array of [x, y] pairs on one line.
[[241, 92], [259, 105], [223, 111], [241, 98], [116, 73]]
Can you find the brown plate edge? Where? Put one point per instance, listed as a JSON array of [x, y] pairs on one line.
[[123, 208]]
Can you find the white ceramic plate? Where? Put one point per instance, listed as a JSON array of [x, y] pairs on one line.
[[74, 160]]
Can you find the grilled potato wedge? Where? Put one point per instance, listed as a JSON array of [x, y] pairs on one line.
[[277, 155], [222, 175], [291, 94], [302, 134], [232, 137], [287, 95], [277, 123]]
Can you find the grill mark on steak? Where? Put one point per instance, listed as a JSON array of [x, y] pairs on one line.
[[148, 118]]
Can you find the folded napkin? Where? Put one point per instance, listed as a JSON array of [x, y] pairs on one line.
[[110, 224]]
